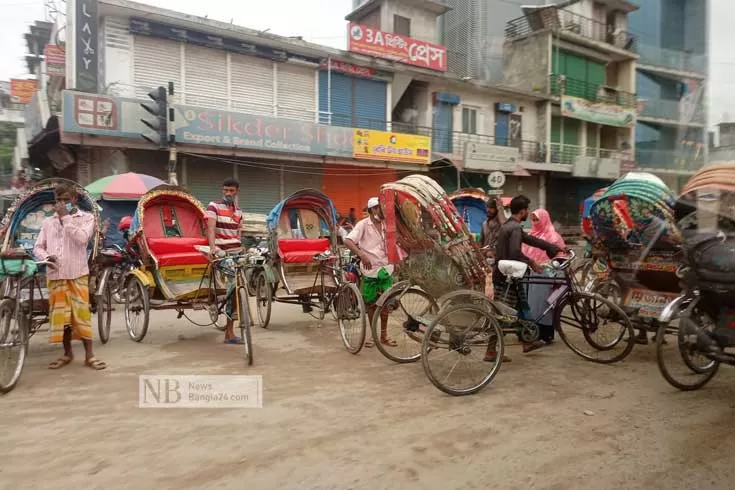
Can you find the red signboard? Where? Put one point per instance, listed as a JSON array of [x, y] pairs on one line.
[[373, 42], [55, 60], [21, 91], [349, 68]]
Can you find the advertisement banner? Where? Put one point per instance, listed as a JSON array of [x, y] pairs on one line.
[[21, 91], [86, 40], [597, 112], [387, 45], [392, 147], [55, 60], [487, 158]]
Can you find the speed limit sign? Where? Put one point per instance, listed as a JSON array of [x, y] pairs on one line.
[[496, 179]]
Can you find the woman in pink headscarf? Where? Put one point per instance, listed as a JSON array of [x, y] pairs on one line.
[[538, 293]]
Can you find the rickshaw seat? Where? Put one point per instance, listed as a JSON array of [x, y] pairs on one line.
[[177, 250], [301, 251]]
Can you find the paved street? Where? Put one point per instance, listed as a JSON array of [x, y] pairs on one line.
[[336, 421]]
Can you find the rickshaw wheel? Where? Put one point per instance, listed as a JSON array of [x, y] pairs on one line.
[[263, 299], [12, 335], [245, 321], [590, 313], [136, 293], [104, 314], [470, 338], [351, 317]]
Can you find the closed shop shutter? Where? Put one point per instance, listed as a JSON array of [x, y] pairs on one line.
[[297, 176], [251, 87], [155, 63], [204, 177], [296, 92], [154, 163], [206, 80], [370, 103], [340, 105], [260, 188], [351, 187]]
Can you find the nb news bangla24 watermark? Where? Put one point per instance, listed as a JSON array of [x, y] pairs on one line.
[[180, 391]]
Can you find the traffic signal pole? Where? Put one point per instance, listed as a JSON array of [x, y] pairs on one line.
[[172, 178], [161, 123]]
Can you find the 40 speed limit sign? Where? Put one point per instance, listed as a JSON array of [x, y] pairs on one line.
[[496, 179]]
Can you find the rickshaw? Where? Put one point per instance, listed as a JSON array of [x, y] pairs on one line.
[[635, 246], [705, 214], [169, 232], [471, 204], [303, 266], [446, 312], [24, 306]]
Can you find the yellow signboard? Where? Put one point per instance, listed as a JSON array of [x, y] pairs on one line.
[[393, 147]]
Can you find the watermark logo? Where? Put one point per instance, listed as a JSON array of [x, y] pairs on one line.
[[177, 391]]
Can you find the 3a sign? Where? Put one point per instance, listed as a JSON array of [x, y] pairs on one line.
[[373, 42]]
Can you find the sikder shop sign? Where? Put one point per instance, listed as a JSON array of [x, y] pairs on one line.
[[387, 45]]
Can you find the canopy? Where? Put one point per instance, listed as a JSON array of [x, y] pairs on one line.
[[127, 186], [471, 205], [304, 199], [168, 208]]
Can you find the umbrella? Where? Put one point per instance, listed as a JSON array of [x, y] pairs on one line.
[[127, 186]]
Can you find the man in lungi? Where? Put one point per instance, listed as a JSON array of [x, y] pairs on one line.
[[367, 241], [62, 242]]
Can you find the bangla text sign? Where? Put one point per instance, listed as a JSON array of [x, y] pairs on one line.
[[373, 42], [392, 147], [597, 112], [21, 91]]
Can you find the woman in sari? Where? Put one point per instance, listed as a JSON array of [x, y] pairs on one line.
[[538, 293]]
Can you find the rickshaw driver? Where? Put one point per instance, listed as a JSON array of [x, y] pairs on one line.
[[223, 232]]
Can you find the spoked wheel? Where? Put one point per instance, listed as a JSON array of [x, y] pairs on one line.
[[456, 346], [263, 299], [13, 346], [104, 314], [351, 317], [681, 362], [406, 311], [245, 321], [137, 309], [595, 328]]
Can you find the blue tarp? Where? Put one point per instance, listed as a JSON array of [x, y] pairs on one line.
[[114, 211], [473, 211]]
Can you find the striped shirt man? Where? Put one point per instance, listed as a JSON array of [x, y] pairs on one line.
[[66, 239], [227, 228]]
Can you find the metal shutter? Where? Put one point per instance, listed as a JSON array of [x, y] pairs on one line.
[[370, 103], [296, 92], [205, 80], [297, 176], [341, 99], [204, 177], [155, 62], [251, 87], [260, 188], [153, 163], [350, 187]]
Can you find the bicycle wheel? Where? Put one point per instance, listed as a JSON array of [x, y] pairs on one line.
[[104, 314], [456, 346], [589, 320], [405, 311], [263, 299], [137, 309], [351, 317], [13, 345], [245, 322], [682, 364]]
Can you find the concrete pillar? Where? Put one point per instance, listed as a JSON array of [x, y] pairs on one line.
[[542, 190]]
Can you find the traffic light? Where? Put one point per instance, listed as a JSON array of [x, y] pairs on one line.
[[159, 122]]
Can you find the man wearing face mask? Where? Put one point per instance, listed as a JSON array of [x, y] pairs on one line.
[[367, 241], [62, 241], [224, 217]]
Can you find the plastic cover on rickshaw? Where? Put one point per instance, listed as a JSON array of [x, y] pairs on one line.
[[421, 220], [471, 204]]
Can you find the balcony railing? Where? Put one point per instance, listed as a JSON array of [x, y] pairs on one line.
[[671, 59], [670, 110], [565, 153], [566, 21], [563, 85], [688, 159]]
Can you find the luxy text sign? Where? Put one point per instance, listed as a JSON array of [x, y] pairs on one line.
[[392, 147], [373, 42]]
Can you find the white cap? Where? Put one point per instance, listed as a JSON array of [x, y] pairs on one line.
[[372, 202]]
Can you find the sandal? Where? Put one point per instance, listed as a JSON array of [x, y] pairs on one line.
[[369, 344], [389, 342], [493, 357], [95, 364], [60, 362], [532, 346]]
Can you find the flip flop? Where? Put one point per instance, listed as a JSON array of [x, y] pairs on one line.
[[95, 364], [60, 362], [234, 340], [369, 344], [389, 342]]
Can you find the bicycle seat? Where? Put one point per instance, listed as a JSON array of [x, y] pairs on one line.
[[512, 268]]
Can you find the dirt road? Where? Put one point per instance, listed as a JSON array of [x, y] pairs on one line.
[[336, 421]]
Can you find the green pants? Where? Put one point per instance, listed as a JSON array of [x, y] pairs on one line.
[[373, 287]]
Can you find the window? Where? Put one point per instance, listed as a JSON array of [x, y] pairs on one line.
[[402, 25], [469, 120]]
